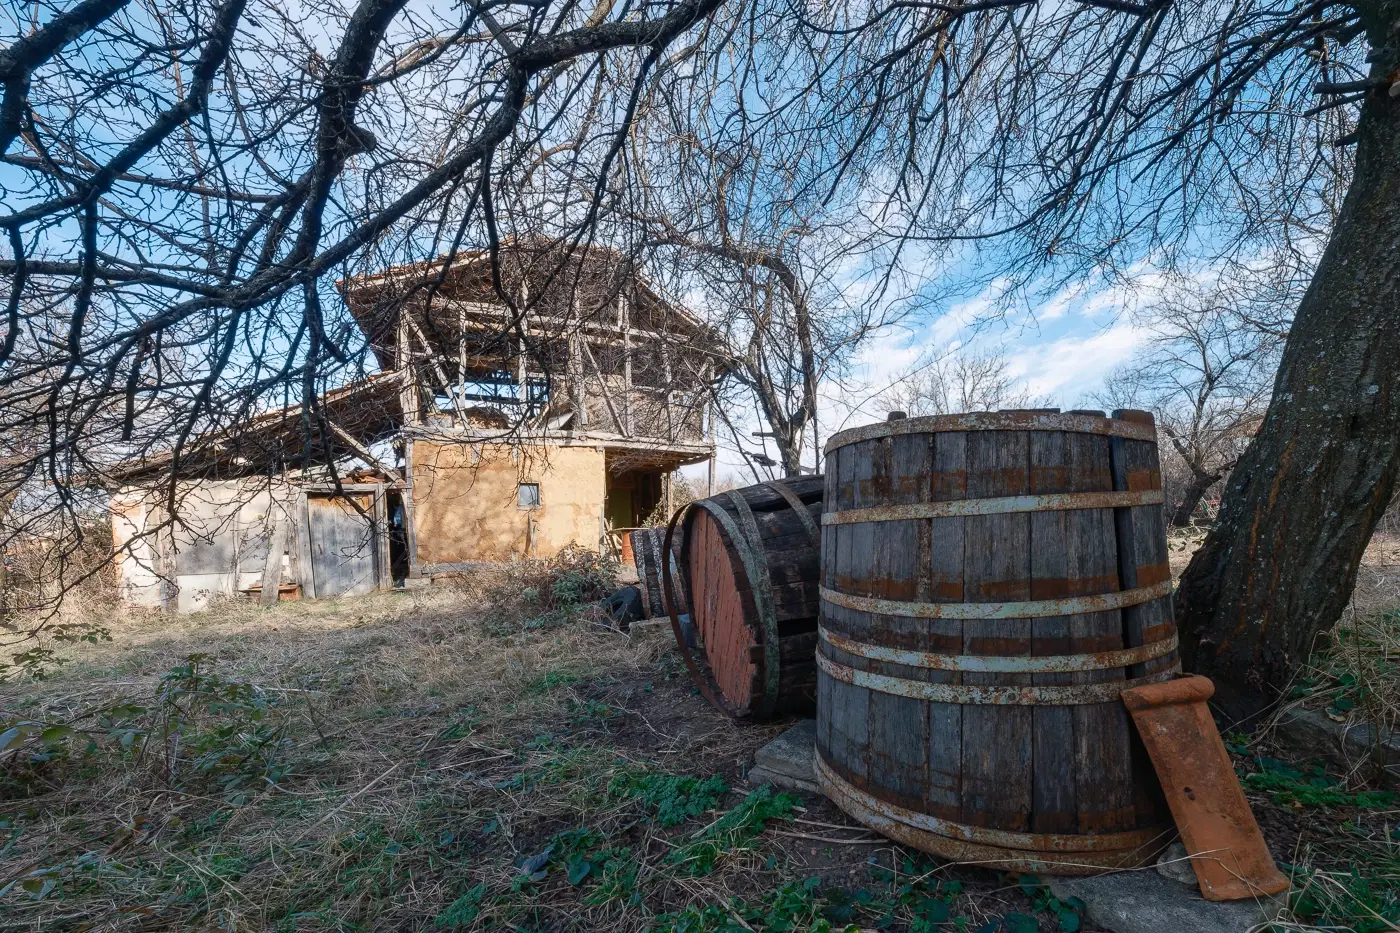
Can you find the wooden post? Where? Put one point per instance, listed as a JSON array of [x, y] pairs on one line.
[[666, 380], [403, 364], [622, 315], [410, 532], [709, 415], [272, 569]]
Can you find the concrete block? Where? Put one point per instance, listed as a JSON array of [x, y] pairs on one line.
[[1146, 902]]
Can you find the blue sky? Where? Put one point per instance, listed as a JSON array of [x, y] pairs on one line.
[[1060, 347]]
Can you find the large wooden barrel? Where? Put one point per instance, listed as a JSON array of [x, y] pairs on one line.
[[650, 557], [749, 559], [991, 582]]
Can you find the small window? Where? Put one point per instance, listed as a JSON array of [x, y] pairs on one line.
[[528, 496]]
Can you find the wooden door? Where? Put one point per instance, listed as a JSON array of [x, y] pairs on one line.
[[344, 546]]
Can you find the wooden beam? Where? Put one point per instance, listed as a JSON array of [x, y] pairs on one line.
[[410, 531], [622, 313], [272, 569], [432, 356], [409, 397], [549, 325], [362, 451], [603, 384]]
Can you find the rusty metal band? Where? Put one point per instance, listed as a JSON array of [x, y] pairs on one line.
[[1001, 664], [813, 532], [997, 421], [988, 694], [1029, 609], [748, 543], [1003, 505], [981, 835]]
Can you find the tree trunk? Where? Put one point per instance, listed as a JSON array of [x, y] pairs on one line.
[[1279, 565], [1191, 498]]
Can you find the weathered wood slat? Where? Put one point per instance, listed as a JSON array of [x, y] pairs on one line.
[[1004, 765]]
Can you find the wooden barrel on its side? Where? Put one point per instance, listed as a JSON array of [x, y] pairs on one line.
[[648, 547], [749, 560], [991, 582]]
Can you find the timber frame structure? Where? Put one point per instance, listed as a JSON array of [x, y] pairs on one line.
[[514, 414], [546, 397]]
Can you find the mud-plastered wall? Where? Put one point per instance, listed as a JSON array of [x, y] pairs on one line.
[[468, 503]]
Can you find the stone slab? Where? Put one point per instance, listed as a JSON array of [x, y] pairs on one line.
[[793, 754], [1310, 732], [1145, 902], [759, 775]]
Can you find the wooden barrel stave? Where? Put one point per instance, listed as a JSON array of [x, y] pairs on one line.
[[727, 602], [1082, 776], [648, 546]]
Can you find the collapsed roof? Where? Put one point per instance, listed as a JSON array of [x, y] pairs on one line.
[[346, 421]]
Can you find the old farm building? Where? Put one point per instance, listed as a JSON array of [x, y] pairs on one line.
[[498, 428]]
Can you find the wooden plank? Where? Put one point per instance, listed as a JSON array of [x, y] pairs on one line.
[[384, 577], [848, 707], [721, 615], [343, 547], [899, 725], [948, 481], [272, 569], [997, 743], [308, 575], [1054, 809], [1155, 619], [1103, 747]]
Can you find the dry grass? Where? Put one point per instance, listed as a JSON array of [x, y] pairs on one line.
[[397, 761], [487, 756]]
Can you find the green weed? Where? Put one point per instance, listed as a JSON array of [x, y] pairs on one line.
[[1287, 786], [1366, 902], [463, 910], [671, 799], [736, 829]]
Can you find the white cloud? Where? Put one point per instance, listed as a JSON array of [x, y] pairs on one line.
[[1073, 366]]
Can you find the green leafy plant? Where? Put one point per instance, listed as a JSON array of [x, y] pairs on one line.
[[463, 910], [1366, 901], [1288, 786], [672, 799], [734, 830]]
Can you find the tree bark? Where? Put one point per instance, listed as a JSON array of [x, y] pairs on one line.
[[1278, 567], [1191, 498]]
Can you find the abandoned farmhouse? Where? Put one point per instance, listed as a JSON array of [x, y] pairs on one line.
[[511, 416]]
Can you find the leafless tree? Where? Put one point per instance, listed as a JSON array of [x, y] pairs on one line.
[[1206, 375], [961, 380], [201, 177], [719, 204], [183, 184]]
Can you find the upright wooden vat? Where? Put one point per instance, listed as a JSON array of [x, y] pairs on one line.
[[749, 558], [650, 557], [990, 585]]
